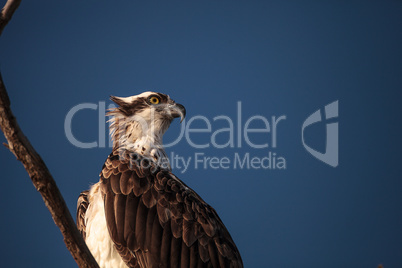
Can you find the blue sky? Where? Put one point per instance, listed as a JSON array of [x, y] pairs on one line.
[[278, 59]]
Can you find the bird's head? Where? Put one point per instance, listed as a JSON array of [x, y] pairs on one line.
[[139, 122]]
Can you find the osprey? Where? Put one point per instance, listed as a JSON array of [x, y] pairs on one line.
[[140, 214]]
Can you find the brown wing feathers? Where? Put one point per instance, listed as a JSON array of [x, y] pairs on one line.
[[82, 205], [154, 215]]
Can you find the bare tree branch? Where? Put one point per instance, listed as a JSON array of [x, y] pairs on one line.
[[7, 12], [43, 181]]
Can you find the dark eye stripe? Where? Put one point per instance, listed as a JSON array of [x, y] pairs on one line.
[[141, 103]]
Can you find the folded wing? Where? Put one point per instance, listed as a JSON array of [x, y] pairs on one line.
[[156, 220]]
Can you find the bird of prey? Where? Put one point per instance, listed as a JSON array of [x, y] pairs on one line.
[[140, 214]]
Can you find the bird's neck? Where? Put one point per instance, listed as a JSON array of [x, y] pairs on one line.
[[144, 141]]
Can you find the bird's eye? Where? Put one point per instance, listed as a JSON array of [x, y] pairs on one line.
[[154, 100]]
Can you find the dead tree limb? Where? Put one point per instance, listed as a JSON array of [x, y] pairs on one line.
[[41, 178], [7, 12]]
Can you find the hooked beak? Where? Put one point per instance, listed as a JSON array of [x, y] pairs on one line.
[[178, 110]]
